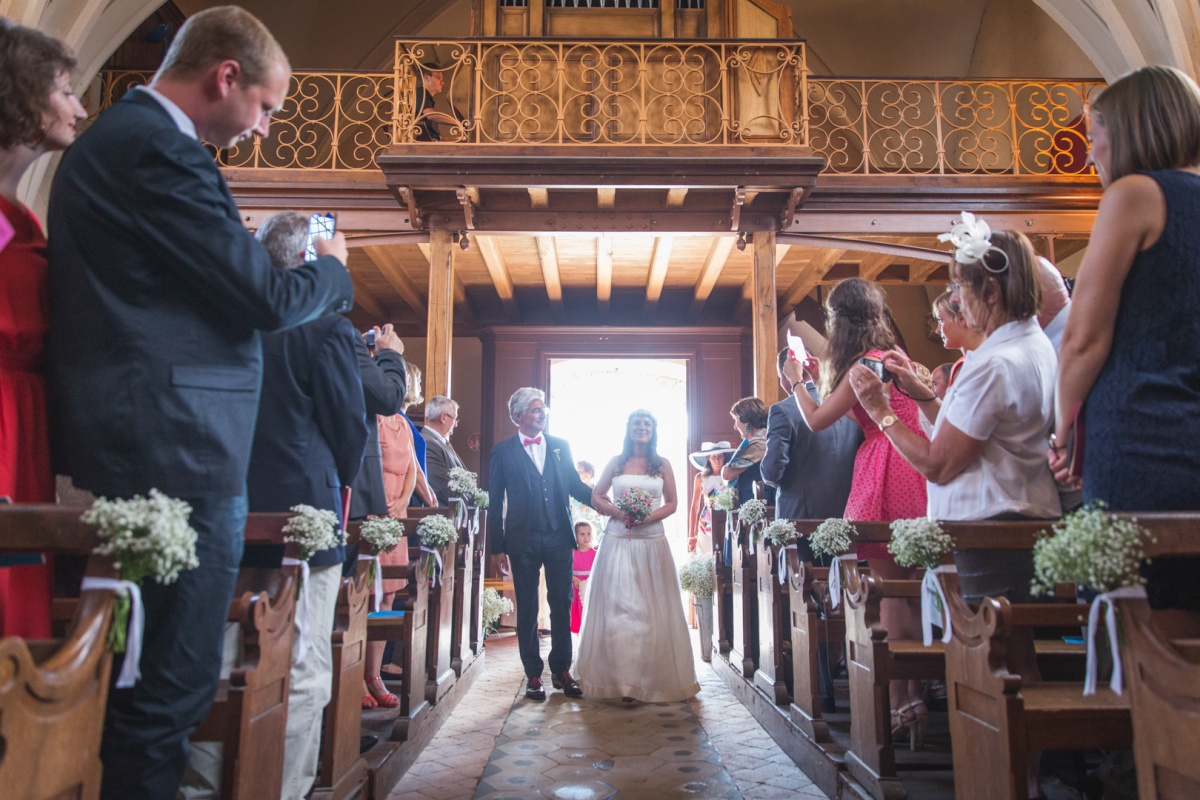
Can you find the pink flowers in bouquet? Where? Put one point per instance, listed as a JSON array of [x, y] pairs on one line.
[[636, 502]]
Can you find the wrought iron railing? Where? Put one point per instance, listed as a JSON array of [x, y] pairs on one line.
[[341, 121], [646, 92]]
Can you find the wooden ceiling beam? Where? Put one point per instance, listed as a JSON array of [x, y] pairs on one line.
[[604, 259], [606, 197], [548, 258], [539, 197], [808, 278], [660, 259], [714, 264], [675, 196], [919, 271], [387, 261], [493, 259], [369, 303]]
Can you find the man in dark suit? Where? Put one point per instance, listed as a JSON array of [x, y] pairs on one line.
[[532, 478], [308, 443], [384, 382], [441, 418], [157, 297]]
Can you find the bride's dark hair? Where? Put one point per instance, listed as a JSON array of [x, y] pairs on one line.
[[653, 460]]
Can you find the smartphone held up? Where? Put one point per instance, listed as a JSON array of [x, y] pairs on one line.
[[319, 225]]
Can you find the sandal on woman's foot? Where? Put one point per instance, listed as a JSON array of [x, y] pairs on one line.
[[382, 696], [368, 702], [911, 717]]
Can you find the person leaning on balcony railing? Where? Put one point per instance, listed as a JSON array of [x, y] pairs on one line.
[[433, 80]]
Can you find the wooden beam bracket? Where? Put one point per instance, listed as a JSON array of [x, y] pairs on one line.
[[794, 203], [408, 198], [739, 199], [464, 199]]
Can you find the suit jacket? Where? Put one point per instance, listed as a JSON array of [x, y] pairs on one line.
[[157, 295], [384, 384], [312, 425], [812, 470], [514, 490], [440, 458]]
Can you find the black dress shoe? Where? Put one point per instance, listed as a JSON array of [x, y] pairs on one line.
[[365, 743], [568, 685], [534, 689]]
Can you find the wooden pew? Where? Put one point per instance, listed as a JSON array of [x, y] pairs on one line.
[[1161, 655], [775, 653], [440, 674], [475, 621], [467, 596], [343, 773], [53, 693], [722, 588], [743, 642], [808, 631], [249, 714]]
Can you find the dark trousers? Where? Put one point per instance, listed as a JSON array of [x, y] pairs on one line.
[[553, 550], [145, 747]]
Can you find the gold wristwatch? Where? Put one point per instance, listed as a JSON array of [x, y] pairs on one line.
[[887, 422]]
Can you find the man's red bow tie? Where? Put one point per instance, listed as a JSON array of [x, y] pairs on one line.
[[534, 440]]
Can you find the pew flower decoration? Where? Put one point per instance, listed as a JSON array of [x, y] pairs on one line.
[[780, 533], [463, 483], [1090, 548], [752, 512], [481, 499], [382, 533], [832, 537], [919, 542], [146, 537], [311, 530], [435, 533], [696, 576], [494, 607], [726, 499], [636, 502]]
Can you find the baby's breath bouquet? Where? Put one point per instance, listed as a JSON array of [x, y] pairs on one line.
[[780, 533], [1090, 548], [312, 530], [832, 537], [494, 607], [752, 512], [919, 542], [725, 499], [696, 576], [382, 533], [463, 483], [435, 532], [481, 499], [636, 502], [146, 537]]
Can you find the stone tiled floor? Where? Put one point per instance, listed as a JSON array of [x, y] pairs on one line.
[[569, 749]]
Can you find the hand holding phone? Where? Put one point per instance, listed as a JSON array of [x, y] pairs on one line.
[[876, 366], [321, 227]]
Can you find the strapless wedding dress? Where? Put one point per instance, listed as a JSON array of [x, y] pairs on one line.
[[635, 641]]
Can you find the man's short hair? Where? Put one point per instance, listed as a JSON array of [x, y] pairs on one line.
[[945, 369], [521, 399], [222, 33], [438, 405], [285, 236]]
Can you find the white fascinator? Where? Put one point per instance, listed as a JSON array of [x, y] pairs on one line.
[[972, 239]]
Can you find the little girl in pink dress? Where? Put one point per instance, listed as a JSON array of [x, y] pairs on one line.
[[584, 555]]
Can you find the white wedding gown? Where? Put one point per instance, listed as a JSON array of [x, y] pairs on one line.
[[634, 641]]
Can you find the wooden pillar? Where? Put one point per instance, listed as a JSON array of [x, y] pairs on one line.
[[764, 321], [440, 327]]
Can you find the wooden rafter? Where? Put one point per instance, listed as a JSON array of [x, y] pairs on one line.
[[606, 197], [604, 259], [493, 259], [714, 263], [367, 300], [539, 197], [675, 196], [660, 259], [388, 263], [462, 303], [809, 277], [548, 257], [919, 271]]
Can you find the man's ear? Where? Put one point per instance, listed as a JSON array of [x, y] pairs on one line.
[[226, 74]]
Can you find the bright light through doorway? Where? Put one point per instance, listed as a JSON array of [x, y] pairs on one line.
[[591, 398]]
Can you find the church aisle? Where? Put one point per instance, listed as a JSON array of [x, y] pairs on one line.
[[498, 745]]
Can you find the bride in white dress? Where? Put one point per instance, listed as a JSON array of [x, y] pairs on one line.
[[634, 642]]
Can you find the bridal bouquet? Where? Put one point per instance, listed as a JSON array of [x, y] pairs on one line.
[[312, 530], [696, 576], [752, 512], [435, 532], [919, 542], [832, 537], [726, 499], [1091, 548], [636, 502], [146, 537], [494, 607], [382, 533], [780, 533]]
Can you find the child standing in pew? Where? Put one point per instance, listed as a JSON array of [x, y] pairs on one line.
[[585, 556]]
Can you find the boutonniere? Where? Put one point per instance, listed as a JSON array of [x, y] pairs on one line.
[[557, 457]]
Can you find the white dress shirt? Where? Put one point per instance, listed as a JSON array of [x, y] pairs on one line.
[[536, 451]]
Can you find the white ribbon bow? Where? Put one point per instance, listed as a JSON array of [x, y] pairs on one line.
[[460, 511], [130, 668], [783, 567], [1110, 621], [437, 558], [301, 608], [378, 582], [835, 583], [931, 595]]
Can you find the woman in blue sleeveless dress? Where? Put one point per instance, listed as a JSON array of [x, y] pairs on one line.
[[1131, 350]]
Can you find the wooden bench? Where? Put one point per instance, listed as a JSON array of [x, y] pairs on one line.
[[812, 622], [249, 714], [722, 588], [743, 640], [440, 674], [467, 596], [410, 630], [775, 653], [53, 694]]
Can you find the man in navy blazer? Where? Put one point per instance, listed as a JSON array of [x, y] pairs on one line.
[[157, 297], [532, 478]]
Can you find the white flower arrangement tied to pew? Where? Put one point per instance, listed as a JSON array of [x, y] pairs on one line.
[[146, 537], [696, 576], [463, 482], [833, 538], [382, 534], [1096, 550], [311, 530], [921, 542], [752, 512], [780, 533], [493, 607], [435, 533], [726, 499]]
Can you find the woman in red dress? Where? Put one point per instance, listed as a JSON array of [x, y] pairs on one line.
[[38, 114]]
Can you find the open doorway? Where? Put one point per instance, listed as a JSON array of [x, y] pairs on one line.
[[591, 398]]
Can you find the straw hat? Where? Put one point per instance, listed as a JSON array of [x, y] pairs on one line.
[[709, 449]]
